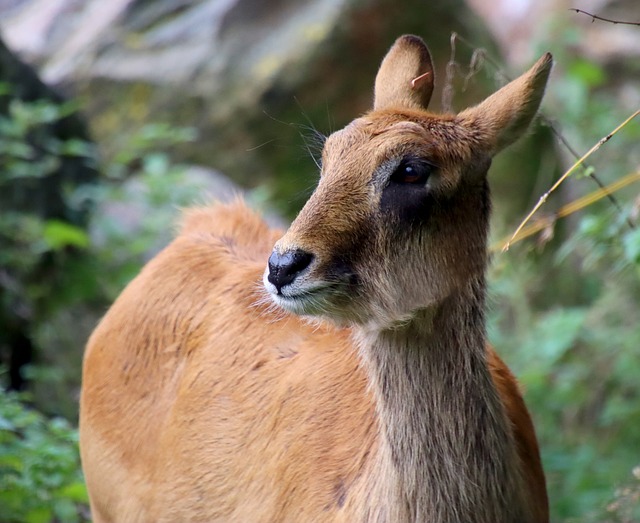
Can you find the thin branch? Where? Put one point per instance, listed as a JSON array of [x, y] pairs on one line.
[[450, 71], [589, 170], [546, 195], [596, 17], [568, 209]]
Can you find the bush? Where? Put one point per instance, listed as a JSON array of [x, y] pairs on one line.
[[566, 310], [40, 478]]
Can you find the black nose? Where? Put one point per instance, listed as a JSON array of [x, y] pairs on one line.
[[283, 268]]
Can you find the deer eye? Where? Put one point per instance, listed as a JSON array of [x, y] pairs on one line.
[[412, 172]]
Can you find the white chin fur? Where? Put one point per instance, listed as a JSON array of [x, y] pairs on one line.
[[299, 298]]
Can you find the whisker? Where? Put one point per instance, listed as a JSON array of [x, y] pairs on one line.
[[261, 145]]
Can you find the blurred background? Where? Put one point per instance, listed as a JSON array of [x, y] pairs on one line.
[[115, 114]]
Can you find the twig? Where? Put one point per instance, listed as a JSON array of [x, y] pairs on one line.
[[487, 57], [589, 171], [596, 17], [546, 195], [568, 209], [450, 71]]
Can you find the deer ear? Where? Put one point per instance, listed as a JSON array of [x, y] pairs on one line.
[[405, 77], [505, 116]]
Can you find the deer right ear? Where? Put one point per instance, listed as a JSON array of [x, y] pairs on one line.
[[405, 77], [505, 116]]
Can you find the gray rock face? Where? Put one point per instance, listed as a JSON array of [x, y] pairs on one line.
[[238, 70], [166, 41]]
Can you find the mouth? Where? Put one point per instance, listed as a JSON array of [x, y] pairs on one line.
[[304, 298], [309, 302]]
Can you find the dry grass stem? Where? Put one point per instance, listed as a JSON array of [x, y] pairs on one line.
[[577, 164], [566, 210]]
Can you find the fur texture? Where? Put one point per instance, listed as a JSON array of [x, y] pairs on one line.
[[205, 399]]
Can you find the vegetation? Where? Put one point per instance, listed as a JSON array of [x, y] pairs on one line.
[[40, 478], [564, 312], [566, 309]]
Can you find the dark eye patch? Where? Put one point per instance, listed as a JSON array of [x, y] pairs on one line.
[[407, 194]]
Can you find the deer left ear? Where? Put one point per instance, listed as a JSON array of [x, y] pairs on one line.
[[405, 77], [505, 116]]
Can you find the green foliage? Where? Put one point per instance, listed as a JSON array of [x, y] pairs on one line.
[[40, 478], [625, 506], [149, 140], [135, 207], [565, 314], [56, 272], [145, 185], [157, 188], [26, 151], [28, 154]]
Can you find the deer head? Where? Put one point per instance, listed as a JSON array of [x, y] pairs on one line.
[[400, 216]]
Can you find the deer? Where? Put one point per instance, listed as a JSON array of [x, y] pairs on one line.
[[336, 372]]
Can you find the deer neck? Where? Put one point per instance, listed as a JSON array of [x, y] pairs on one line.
[[447, 452]]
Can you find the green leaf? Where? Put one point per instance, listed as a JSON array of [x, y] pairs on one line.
[[588, 72], [75, 147], [16, 149], [156, 163], [6, 424], [631, 242], [65, 511], [39, 515], [76, 492], [557, 332], [59, 234]]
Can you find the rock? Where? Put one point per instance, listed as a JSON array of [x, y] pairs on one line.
[[249, 75], [136, 212]]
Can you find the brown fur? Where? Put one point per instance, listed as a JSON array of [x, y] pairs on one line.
[[202, 401]]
